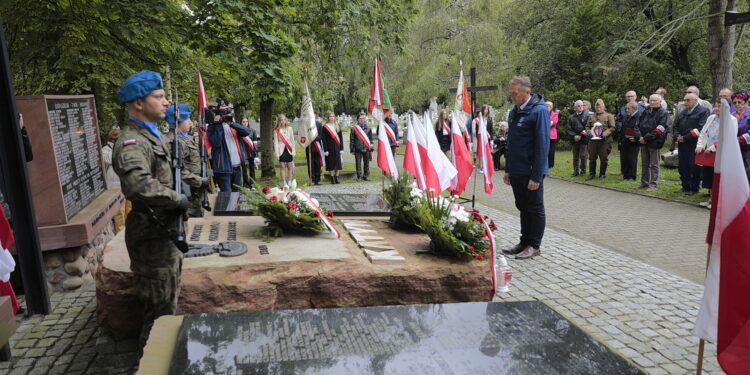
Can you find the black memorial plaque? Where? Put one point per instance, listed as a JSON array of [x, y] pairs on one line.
[[75, 136], [463, 338], [231, 204]]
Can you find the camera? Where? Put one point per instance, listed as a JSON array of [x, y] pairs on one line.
[[222, 109]]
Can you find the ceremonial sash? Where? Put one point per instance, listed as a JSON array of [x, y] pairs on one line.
[[333, 134], [283, 139], [389, 132], [446, 130], [320, 153], [361, 134], [249, 142]]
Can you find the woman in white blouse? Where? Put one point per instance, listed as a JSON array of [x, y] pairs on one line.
[[283, 145]]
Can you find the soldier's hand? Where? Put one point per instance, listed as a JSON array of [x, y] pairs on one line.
[[184, 203], [204, 182]]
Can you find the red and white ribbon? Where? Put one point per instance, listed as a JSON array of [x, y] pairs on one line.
[[332, 132], [320, 153], [491, 238], [320, 213], [361, 134]]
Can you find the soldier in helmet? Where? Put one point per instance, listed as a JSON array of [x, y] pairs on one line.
[[141, 160], [191, 173]]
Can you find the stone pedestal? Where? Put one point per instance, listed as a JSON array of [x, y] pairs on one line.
[[297, 272]]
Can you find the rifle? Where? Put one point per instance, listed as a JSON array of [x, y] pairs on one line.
[[178, 228], [204, 169]]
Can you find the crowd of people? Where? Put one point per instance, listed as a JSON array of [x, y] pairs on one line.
[[644, 127]]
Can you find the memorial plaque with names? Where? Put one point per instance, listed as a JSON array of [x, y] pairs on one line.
[[231, 204], [76, 141], [464, 338]]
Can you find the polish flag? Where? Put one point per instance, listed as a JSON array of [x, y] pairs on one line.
[[460, 156], [724, 315], [462, 105], [438, 170], [7, 264], [202, 104], [386, 162], [484, 153], [412, 158]]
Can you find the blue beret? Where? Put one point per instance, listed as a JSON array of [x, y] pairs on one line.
[[139, 85], [184, 113]]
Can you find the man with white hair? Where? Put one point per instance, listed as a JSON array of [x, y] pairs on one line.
[[697, 92], [578, 137], [686, 130], [653, 129]]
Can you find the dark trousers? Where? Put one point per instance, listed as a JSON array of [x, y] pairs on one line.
[[580, 155], [248, 174], [707, 176], [362, 162], [690, 174], [530, 203], [629, 159], [497, 158], [227, 181], [314, 164], [601, 149], [551, 155]]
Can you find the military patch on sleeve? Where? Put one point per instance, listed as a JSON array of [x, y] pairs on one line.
[[128, 142]]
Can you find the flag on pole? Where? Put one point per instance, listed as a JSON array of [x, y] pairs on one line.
[[380, 101], [412, 158], [202, 104], [386, 162], [438, 170], [484, 153], [462, 105], [724, 314], [459, 156], [308, 130]]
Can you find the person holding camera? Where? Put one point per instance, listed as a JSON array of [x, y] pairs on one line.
[[283, 145], [226, 155]]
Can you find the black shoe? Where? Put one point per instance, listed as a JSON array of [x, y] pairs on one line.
[[602, 176], [514, 250], [365, 179], [575, 174], [590, 177]]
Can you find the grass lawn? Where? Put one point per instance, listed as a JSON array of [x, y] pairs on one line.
[[669, 178]]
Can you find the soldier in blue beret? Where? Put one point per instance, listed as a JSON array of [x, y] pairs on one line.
[[191, 174], [142, 162]]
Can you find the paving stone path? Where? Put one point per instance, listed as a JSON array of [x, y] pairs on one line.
[[627, 295]]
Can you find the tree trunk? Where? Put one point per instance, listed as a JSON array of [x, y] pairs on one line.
[[720, 45], [268, 156]]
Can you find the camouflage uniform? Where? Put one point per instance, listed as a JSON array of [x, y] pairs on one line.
[[191, 173], [142, 162]]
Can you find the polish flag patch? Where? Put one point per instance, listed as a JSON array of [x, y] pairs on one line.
[[128, 142]]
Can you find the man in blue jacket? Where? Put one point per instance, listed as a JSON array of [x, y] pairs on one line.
[[226, 154], [526, 166]]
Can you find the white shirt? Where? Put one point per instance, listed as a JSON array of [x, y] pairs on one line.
[[524, 104], [234, 153]]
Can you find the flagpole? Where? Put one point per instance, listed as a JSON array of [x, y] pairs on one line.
[[474, 191], [702, 342]]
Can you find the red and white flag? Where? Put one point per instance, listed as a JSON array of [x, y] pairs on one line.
[[202, 104], [484, 153], [724, 315], [460, 157], [462, 105], [7, 264], [379, 103], [412, 158], [438, 170], [386, 162]]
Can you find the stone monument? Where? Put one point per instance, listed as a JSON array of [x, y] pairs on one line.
[[72, 204]]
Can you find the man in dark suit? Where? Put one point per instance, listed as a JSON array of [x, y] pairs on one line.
[[686, 129]]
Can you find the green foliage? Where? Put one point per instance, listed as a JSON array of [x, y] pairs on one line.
[[462, 239], [404, 214]]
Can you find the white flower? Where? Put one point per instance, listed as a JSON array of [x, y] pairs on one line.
[[293, 186]]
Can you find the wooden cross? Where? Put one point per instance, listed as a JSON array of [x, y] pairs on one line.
[[473, 89]]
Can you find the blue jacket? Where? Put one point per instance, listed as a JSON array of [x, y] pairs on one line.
[[220, 161], [528, 139]]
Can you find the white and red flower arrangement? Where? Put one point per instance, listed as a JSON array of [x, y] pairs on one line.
[[288, 210]]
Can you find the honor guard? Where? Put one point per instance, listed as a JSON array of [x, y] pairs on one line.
[[191, 173], [141, 160]]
